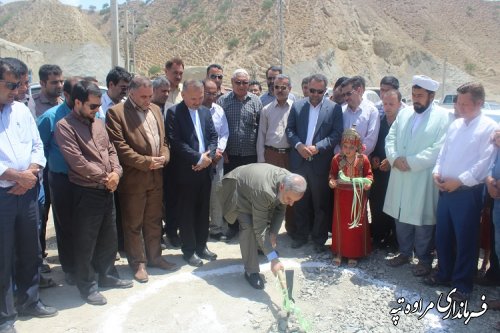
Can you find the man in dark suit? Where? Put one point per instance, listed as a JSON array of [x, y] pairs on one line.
[[314, 128], [193, 141], [137, 130]]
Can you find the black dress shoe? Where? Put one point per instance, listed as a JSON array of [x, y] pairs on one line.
[[112, 282], [298, 243], [255, 280], [319, 248], [194, 260], [45, 268], [207, 255], [230, 233], [174, 240], [38, 309], [219, 237], [70, 278], [7, 328], [95, 298], [46, 282]]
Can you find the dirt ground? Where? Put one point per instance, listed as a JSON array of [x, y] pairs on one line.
[[216, 298]]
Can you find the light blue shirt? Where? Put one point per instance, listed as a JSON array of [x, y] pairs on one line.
[[46, 127], [197, 127], [106, 103], [20, 143]]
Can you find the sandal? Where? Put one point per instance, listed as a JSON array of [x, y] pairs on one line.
[[352, 263], [337, 261], [421, 270], [398, 260], [433, 281]]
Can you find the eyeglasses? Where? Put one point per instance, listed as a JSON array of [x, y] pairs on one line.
[[348, 94], [282, 88], [241, 83], [316, 91], [215, 76], [11, 85], [211, 94], [94, 106]]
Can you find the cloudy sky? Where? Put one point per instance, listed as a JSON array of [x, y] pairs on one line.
[[85, 3]]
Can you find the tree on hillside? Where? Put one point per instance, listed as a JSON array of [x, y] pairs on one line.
[[92, 8], [105, 6]]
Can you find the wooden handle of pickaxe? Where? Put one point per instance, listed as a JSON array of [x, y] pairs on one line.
[[282, 279]]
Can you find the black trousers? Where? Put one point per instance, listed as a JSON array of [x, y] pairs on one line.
[[117, 220], [61, 192], [315, 207], [193, 203], [94, 237], [20, 255], [382, 225], [45, 213], [236, 161], [170, 198]]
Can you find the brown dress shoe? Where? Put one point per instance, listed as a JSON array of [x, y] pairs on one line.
[[165, 265], [140, 274]]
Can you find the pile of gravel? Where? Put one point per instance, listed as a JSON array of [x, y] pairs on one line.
[[342, 299]]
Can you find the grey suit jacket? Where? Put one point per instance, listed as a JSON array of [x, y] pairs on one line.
[[327, 134], [253, 189]]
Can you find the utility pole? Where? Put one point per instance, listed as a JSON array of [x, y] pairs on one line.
[[444, 79], [281, 21], [132, 67], [127, 45], [115, 43]]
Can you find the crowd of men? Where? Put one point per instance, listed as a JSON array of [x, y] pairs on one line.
[[114, 166]]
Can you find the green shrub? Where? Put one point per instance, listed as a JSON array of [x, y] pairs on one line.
[[258, 35], [233, 42], [267, 4], [226, 4], [155, 69]]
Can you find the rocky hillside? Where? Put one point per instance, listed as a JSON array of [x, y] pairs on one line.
[[63, 33], [335, 37]]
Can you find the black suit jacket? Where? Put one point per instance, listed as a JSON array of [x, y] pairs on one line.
[[327, 134], [184, 142]]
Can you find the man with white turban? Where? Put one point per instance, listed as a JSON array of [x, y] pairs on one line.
[[412, 147]]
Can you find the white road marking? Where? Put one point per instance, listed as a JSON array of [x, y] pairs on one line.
[[114, 317]]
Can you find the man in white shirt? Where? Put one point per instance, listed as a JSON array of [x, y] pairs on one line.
[[217, 225], [21, 159], [461, 168], [117, 82], [360, 113]]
